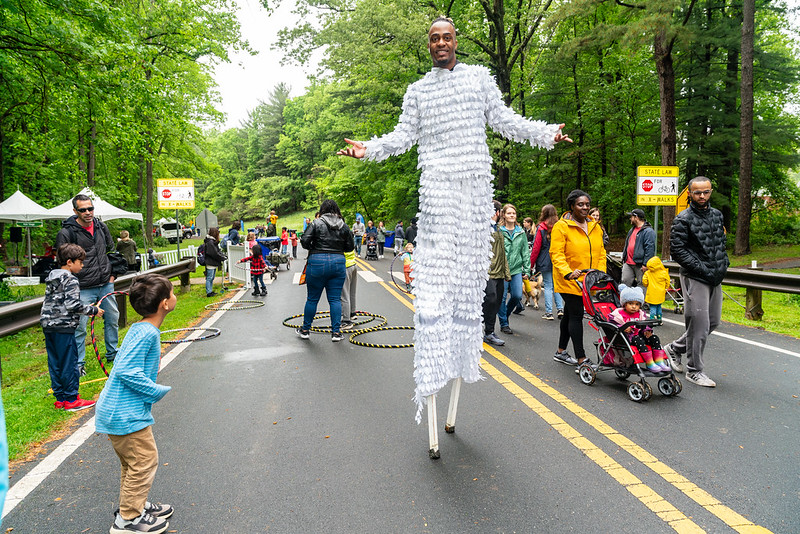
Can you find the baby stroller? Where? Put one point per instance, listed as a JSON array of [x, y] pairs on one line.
[[614, 351], [372, 248]]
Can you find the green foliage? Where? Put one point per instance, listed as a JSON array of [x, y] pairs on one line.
[[160, 242]]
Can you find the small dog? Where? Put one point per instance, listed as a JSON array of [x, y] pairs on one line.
[[531, 290]]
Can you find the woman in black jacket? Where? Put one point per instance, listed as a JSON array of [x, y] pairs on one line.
[[326, 239], [214, 258]]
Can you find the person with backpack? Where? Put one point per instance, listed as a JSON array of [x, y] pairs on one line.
[[96, 279], [540, 259], [212, 258]]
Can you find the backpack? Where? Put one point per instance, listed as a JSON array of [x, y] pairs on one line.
[[201, 254]]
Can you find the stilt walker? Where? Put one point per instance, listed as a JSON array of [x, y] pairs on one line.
[[445, 114]]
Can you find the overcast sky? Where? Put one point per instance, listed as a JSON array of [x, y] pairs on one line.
[[247, 79]]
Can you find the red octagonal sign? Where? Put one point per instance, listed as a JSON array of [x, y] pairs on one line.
[[647, 185], [166, 193]]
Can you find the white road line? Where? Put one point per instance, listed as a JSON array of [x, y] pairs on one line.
[[369, 276], [743, 340], [50, 463]]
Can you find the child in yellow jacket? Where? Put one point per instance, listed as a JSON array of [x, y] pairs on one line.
[[656, 279]]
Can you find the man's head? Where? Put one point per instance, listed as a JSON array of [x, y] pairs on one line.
[[498, 208], [638, 218], [84, 209], [442, 43], [151, 294], [700, 190]]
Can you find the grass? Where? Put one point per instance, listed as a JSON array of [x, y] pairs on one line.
[[30, 416], [781, 311]]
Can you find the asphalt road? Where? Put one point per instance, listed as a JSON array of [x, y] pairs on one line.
[[265, 432]]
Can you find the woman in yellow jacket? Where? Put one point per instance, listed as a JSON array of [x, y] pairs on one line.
[[576, 243], [656, 280]]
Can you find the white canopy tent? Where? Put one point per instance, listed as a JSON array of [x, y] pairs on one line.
[[102, 209], [19, 207]]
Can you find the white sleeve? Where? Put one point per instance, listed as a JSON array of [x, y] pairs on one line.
[[404, 136], [510, 125]]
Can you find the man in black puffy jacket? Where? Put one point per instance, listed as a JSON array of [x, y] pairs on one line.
[[697, 243], [96, 279]]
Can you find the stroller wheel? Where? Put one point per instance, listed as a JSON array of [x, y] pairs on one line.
[[678, 385], [587, 374], [666, 387], [635, 392], [622, 374], [648, 391]]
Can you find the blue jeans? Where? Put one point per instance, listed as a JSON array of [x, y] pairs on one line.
[[284, 249], [547, 287], [655, 311], [324, 271], [62, 362], [258, 278], [357, 242], [211, 272], [90, 295], [513, 290]]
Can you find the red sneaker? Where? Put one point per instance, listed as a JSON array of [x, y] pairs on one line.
[[59, 405], [78, 404]]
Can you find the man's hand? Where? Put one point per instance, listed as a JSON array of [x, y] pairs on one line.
[[357, 150], [559, 136], [100, 311]]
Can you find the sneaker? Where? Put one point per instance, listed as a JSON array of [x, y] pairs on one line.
[[81, 369], [674, 358], [212, 294], [264, 292], [507, 330], [548, 317], [699, 378], [519, 311], [143, 523], [163, 511], [349, 325], [78, 405], [256, 293], [302, 333], [565, 358], [59, 405], [492, 339], [560, 314], [336, 336]]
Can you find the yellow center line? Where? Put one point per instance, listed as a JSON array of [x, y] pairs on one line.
[[646, 495], [364, 264], [734, 520]]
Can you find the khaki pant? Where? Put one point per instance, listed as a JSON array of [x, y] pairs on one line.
[[139, 459]]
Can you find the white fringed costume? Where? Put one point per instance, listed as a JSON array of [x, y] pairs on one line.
[[446, 114]]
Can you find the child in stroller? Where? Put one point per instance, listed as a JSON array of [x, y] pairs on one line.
[[640, 337], [372, 248]]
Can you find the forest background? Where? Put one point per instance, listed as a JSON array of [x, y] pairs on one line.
[[116, 95]]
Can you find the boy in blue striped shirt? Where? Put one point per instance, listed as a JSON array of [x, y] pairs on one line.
[[123, 409]]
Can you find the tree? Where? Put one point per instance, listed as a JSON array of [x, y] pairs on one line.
[[746, 145]]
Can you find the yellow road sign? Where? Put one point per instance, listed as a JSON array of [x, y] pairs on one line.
[[683, 200], [656, 170], [175, 194]]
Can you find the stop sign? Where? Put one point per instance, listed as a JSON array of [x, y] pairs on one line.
[[166, 193], [647, 185]]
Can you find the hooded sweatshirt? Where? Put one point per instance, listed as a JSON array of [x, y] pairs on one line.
[[96, 267], [62, 303], [656, 280]]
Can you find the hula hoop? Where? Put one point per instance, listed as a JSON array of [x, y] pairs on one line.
[[327, 329], [212, 333], [230, 306], [394, 280], [379, 345], [91, 329]]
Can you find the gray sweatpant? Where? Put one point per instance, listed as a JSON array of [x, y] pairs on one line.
[[702, 306], [349, 293], [633, 275]]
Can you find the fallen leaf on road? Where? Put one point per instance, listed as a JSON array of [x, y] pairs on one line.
[[326, 437]]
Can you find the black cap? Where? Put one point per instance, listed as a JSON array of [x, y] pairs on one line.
[[637, 212]]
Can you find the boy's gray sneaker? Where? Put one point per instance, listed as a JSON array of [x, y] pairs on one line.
[[674, 358], [302, 333], [164, 511], [336, 337], [144, 523], [699, 378], [565, 357]]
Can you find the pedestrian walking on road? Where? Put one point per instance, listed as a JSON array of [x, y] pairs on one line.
[[381, 239], [124, 408], [399, 237], [326, 239], [358, 234], [697, 243], [576, 243], [498, 276], [518, 256], [541, 263], [640, 246], [214, 258]]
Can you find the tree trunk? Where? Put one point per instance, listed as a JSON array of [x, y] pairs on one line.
[[149, 191], [742, 245], [669, 135], [81, 154], [92, 158], [581, 131], [140, 181]]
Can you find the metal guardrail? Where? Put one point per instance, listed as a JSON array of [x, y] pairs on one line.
[[21, 315], [752, 279]]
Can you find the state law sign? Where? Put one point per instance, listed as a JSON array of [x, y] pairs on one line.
[[175, 194], [656, 185]]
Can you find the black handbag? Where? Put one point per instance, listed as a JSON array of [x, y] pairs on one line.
[[119, 265]]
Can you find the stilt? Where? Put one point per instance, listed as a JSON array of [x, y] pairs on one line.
[[433, 431], [450, 423]]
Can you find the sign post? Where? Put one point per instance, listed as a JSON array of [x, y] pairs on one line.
[[177, 194], [656, 186]]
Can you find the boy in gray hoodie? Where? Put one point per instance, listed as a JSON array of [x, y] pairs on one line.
[[60, 317]]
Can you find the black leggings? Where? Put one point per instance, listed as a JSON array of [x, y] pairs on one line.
[[572, 324]]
